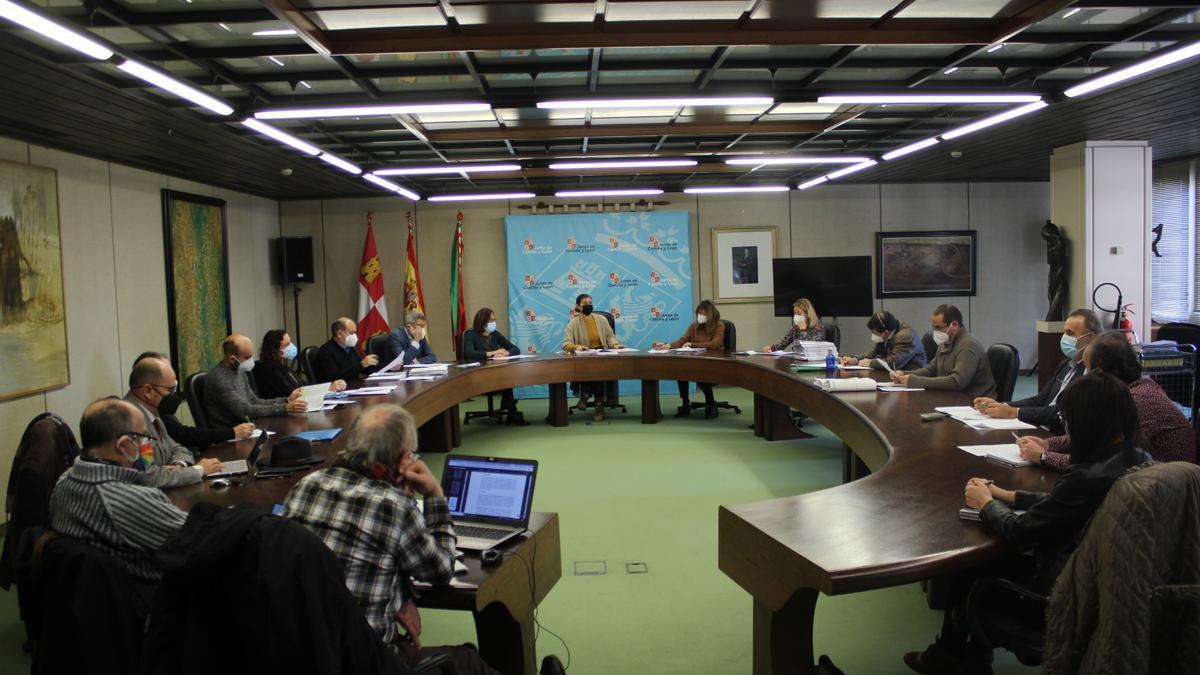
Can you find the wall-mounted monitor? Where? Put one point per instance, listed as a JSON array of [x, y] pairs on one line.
[[837, 286]]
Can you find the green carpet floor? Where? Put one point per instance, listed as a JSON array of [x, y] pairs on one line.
[[630, 493]]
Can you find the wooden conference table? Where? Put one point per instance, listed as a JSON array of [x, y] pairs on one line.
[[895, 526]]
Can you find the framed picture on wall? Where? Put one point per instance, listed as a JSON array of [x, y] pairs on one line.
[[196, 248], [742, 263], [33, 319], [924, 264]]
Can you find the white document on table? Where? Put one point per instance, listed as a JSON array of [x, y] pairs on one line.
[[395, 363], [334, 405], [372, 391], [689, 349], [897, 387], [1008, 454], [253, 434], [314, 396], [513, 356], [659, 351], [993, 425], [962, 413], [472, 364], [386, 377], [854, 367], [777, 352]]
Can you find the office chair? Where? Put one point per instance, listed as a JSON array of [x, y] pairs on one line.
[[307, 356], [833, 333], [193, 393], [612, 388], [1182, 333], [730, 347], [377, 345], [930, 346], [492, 412], [1005, 362]]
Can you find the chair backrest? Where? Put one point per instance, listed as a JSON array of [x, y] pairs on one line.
[[1183, 333], [1005, 362], [612, 321], [833, 333], [307, 356], [193, 392], [730, 335], [377, 344], [929, 345]]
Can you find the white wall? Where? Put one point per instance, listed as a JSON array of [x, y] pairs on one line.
[[828, 221], [115, 277]]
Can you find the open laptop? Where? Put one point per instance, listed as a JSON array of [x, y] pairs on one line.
[[237, 467], [489, 497]]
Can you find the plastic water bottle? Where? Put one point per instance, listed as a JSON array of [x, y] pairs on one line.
[[830, 361]]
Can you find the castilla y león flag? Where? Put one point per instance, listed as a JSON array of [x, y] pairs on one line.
[[414, 300], [372, 309]]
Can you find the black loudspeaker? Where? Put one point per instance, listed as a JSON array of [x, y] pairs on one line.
[[294, 260]]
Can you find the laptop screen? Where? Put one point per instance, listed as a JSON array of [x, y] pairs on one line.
[[490, 489]]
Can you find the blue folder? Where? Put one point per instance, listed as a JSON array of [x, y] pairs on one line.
[[320, 434]]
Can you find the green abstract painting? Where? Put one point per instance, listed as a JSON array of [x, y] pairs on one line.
[[33, 323], [197, 279]]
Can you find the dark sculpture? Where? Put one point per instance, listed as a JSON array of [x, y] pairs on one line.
[[1056, 281], [1157, 230]]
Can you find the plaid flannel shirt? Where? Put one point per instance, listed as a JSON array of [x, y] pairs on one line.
[[380, 536]]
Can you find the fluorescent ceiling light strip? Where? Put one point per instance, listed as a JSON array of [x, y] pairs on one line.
[[929, 98], [743, 188], [993, 120], [631, 192], [54, 30], [1072, 12], [995, 47], [389, 185], [812, 183], [696, 101], [282, 137], [481, 197], [622, 164], [177, 87], [370, 110], [447, 168], [949, 71], [273, 32], [340, 163], [910, 148], [851, 169], [1108, 79], [768, 161]]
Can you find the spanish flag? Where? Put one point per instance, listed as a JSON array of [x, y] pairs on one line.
[[414, 300]]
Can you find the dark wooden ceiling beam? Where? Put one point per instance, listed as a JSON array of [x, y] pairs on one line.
[[181, 18]]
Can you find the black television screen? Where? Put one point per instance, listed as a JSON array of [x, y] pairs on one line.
[[837, 286]]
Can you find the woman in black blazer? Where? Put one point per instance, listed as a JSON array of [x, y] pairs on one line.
[[275, 374], [485, 342]]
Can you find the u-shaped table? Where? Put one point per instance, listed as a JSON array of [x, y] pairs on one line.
[[897, 525]]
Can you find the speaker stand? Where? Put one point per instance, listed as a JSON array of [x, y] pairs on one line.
[[296, 309]]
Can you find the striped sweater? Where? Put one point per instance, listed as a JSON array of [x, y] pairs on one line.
[[101, 504]]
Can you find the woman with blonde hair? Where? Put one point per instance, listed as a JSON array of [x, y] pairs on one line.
[[806, 326]]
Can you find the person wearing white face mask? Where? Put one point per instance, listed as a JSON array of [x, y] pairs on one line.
[[338, 359], [707, 332], [894, 344], [960, 363], [275, 373], [806, 326], [485, 341], [228, 398], [411, 341]]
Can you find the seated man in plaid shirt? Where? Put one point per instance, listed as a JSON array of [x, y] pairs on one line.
[[364, 510]]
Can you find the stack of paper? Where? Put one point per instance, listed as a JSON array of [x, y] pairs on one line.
[[998, 425], [314, 396], [777, 352], [382, 390], [513, 356], [383, 376], [689, 349], [854, 367], [813, 351], [845, 384], [962, 413], [1006, 454], [428, 371]]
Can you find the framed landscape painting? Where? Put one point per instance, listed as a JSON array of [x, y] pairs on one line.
[[196, 248], [33, 319], [925, 264]]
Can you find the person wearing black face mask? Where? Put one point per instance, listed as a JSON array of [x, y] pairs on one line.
[[169, 463], [585, 332], [99, 499], [195, 438]]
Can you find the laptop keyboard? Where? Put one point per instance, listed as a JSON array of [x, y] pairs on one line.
[[480, 532]]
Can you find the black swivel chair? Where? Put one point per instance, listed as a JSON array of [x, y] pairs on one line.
[[730, 347], [377, 345], [1005, 362], [492, 412], [307, 356], [833, 333], [1183, 333], [193, 393], [930, 346]]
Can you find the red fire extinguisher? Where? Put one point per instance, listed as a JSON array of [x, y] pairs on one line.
[[1126, 326]]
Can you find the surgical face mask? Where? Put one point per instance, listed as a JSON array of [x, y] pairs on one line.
[[169, 404], [247, 365], [491, 326], [416, 333], [800, 321], [876, 338], [940, 337], [701, 319], [586, 309], [1069, 344], [352, 340], [290, 352]]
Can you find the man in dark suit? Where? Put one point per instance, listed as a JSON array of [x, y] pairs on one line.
[[337, 358], [409, 340], [196, 438], [1080, 328]]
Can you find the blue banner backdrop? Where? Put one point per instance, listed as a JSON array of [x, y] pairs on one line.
[[636, 265]]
